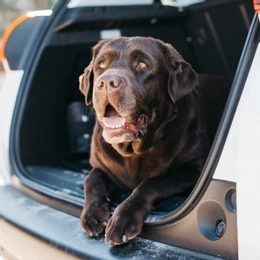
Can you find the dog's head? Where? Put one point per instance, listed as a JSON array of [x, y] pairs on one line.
[[134, 85]]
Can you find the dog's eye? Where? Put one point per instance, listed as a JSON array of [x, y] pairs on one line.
[[102, 64], [141, 66]]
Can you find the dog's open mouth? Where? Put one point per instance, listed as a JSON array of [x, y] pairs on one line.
[[112, 119], [116, 125]]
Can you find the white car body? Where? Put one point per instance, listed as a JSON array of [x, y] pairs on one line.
[[239, 161]]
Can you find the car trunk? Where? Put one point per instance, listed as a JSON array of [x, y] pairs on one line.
[[52, 127]]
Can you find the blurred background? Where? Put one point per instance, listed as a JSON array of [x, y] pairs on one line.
[[11, 9]]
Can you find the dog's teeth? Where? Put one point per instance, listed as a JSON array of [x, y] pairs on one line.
[[113, 127], [113, 122]]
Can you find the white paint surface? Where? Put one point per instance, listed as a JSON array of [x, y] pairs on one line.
[[248, 165], [8, 94], [240, 163], [245, 129]]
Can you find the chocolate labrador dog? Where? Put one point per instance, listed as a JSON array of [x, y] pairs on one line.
[[148, 137]]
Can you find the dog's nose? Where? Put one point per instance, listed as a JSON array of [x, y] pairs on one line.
[[115, 83], [110, 81]]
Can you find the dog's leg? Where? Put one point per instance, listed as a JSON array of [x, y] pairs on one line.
[[127, 220], [95, 213]]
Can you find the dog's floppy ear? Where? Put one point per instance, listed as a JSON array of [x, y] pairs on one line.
[[182, 78], [86, 79], [86, 83]]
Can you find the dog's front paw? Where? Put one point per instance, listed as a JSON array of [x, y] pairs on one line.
[[126, 222], [94, 218]]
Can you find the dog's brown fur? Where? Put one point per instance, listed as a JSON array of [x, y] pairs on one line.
[[161, 147]]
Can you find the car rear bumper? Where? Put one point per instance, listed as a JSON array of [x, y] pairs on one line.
[[63, 231], [18, 244]]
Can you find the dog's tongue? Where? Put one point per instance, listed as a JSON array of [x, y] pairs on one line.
[[112, 119]]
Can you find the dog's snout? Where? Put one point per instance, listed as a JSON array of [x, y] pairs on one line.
[[110, 81]]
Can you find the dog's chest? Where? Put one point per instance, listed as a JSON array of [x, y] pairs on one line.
[[134, 169], [129, 171]]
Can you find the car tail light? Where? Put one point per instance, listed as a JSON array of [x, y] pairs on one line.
[[11, 28], [257, 6], [6, 36]]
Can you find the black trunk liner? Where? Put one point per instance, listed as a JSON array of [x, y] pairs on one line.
[[70, 182]]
